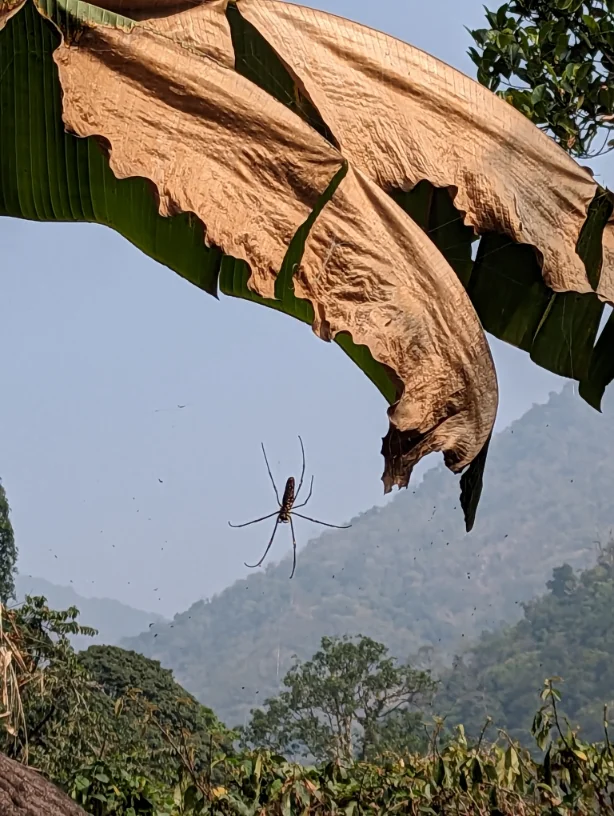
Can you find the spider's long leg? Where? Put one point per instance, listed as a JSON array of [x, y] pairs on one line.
[[300, 484], [324, 523], [255, 521], [269, 545], [271, 475], [293, 548], [308, 497]]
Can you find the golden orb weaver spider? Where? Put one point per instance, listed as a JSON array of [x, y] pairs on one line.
[[287, 507]]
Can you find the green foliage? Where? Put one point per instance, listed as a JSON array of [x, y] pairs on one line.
[[555, 59], [470, 778], [45, 690], [62, 711], [451, 775], [137, 688], [64, 178], [48, 174], [117, 671], [8, 550], [344, 702], [118, 788], [404, 574], [459, 778], [567, 632]]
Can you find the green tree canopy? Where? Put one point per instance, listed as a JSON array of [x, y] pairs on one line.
[[567, 633], [141, 685], [554, 61], [45, 691], [347, 701], [8, 550], [60, 710]]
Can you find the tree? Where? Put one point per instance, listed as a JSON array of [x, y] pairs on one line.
[[566, 633], [81, 720], [344, 702], [563, 581], [356, 189], [8, 551], [118, 670], [63, 711], [138, 687], [555, 59], [46, 694]]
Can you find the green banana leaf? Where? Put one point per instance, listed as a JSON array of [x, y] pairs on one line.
[[47, 174]]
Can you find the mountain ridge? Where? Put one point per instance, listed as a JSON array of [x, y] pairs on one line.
[[113, 619], [406, 574]]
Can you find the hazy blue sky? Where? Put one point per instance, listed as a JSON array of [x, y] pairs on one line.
[[97, 338]]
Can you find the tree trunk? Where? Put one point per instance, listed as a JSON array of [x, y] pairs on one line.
[[24, 792]]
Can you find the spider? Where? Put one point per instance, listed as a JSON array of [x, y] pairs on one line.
[[286, 510]]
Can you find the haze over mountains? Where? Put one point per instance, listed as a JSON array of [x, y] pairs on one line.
[[114, 620], [406, 574]]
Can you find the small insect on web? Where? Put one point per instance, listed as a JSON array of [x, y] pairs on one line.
[[287, 508]]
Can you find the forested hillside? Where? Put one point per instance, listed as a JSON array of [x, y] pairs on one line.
[[547, 500], [567, 632]]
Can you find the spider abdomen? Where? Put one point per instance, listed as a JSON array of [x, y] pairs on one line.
[[287, 501]]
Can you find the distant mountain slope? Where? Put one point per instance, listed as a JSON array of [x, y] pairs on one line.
[[114, 620], [568, 633], [406, 574]]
